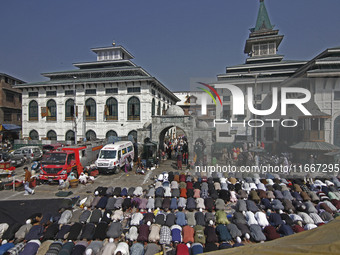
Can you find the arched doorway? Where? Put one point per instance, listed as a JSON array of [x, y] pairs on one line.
[[133, 134], [336, 129], [111, 133], [51, 135], [69, 136], [172, 138], [175, 118], [91, 135], [34, 135]]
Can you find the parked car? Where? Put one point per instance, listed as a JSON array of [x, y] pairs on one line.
[[31, 153], [17, 161]]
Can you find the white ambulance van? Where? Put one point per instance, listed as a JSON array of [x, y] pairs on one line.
[[112, 157]]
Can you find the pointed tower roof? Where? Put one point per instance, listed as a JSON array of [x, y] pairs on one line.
[[263, 59], [263, 21], [263, 40]]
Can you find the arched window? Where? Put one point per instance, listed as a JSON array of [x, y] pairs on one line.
[[69, 136], [111, 133], [153, 107], [34, 135], [111, 109], [133, 134], [33, 111], [51, 135], [91, 135], [133, 109], [90, 109], [69, 109], [51, 110], [159, 109]]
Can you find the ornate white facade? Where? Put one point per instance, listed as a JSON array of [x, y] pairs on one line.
[[113, 97]]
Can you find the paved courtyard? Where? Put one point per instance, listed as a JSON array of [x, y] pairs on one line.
[[130, 179]]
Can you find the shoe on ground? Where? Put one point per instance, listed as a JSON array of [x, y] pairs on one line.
[[26, 194], [32, 192]]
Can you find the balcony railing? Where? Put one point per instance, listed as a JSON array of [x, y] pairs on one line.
[[133, 117], [33, 119], [51, 118], [111, 117], [90, 118]]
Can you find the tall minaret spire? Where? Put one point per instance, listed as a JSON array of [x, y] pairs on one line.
[[263, 40], [263, 21]]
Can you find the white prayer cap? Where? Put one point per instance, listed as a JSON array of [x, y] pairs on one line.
[[270, 182], [88, 252], [238, 239], [96, 193], [111, 240], [329, 183]]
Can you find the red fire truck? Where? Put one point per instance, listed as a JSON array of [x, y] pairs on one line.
[[56, 165]]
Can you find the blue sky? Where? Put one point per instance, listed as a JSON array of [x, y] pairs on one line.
[[173, 40]]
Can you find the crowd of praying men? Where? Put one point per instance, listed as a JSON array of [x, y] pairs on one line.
[[178, 214]]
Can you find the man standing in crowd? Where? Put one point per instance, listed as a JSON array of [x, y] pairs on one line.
[[27, 180]]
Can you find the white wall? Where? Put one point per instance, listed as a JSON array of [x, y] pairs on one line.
[[122, 127]]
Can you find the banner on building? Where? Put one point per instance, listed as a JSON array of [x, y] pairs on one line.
[[44, 112]]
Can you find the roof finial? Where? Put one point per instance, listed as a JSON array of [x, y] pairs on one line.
[[113, 43], [263, 21]]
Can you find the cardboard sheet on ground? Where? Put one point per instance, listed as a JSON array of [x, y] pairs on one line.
[[322, 240]]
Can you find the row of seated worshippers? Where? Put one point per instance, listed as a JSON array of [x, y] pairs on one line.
[[225, 213]]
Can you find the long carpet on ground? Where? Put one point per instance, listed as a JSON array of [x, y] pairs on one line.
[[19, 210], [321, 240]]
